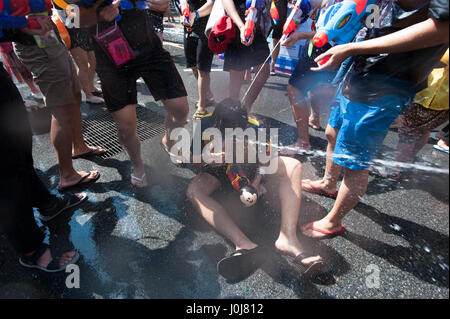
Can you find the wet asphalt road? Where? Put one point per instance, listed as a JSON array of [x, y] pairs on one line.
[[151, 244]]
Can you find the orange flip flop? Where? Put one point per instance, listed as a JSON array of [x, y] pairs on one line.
[[326, 232], [315, 190]]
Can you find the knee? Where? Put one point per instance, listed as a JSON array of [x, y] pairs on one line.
[[181, 112], [191, 192], [126, 132]]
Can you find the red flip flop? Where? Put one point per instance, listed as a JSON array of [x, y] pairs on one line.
[[326, 232], [315, 190]]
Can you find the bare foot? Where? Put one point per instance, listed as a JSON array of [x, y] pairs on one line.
[[294, 248], [86, 149], [46, 258], [326, 229], [78, 177], [295, 148], [323, 185], [138, 178], [314, 123]]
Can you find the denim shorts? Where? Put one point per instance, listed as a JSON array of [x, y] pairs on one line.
[[362, 128]]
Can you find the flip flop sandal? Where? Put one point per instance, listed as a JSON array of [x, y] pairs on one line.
[[325, 232], [81, 182], [313, 126], [441, 149], [198, 115], [93, 152], [172, 156], [139, 180], [241, 263], [52, 267], [210, 102], [315, 190], [273, 72], [67, 202], [307, 270]]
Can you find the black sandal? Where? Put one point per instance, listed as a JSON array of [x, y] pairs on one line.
[[308, 270], [52, 267], [241, 263], [68, 201]]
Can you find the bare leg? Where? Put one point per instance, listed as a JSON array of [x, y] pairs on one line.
[[177, 111], [353, 187], [288, 177], [81, 59], [204, 82], [126, 123], [235, 84], [257, 85], [199, 193], [91, 72], [301, 113], [406, 152], [329, 181], [275, 54], [61, 136]]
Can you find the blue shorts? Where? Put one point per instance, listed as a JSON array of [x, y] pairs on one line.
[[362, 128]]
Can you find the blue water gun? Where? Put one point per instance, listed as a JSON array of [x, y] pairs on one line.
[[13, 13], [341, 22]]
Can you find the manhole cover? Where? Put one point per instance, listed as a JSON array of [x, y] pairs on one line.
[[99, 129]]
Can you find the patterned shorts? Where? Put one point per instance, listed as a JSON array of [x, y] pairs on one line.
[[418, 120]]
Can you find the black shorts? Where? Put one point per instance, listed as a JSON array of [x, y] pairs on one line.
[[158, 71], [303, 78], [282, 14], [81, 38], [197, 51], [239, 57]]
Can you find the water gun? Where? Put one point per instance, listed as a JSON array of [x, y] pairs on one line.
[[185, 11], [341, 22], [299, 14], [253, 6], [274, 12], [13, 13], [240, 182]]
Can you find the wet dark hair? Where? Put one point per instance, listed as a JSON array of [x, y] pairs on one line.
[[229, 114]]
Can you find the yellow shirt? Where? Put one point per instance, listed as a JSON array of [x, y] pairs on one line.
[[435, 96]]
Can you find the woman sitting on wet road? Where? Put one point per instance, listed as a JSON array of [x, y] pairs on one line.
[[287, 175]]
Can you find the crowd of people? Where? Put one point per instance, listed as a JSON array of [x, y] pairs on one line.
[[396, 68]]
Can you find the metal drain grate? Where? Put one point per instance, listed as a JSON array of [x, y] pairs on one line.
[[99, 129]]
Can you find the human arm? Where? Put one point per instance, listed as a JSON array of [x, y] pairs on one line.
[[232, 12], [425, 34], [203, 11]]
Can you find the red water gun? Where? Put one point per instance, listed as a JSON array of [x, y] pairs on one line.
[[299, 14], [250, 19], [184, 7], [274, 12], [13, 13]]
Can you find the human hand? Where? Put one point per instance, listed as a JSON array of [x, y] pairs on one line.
[[243, 39], [45, 23], [110, 12], [332, 58], [158, 5]]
